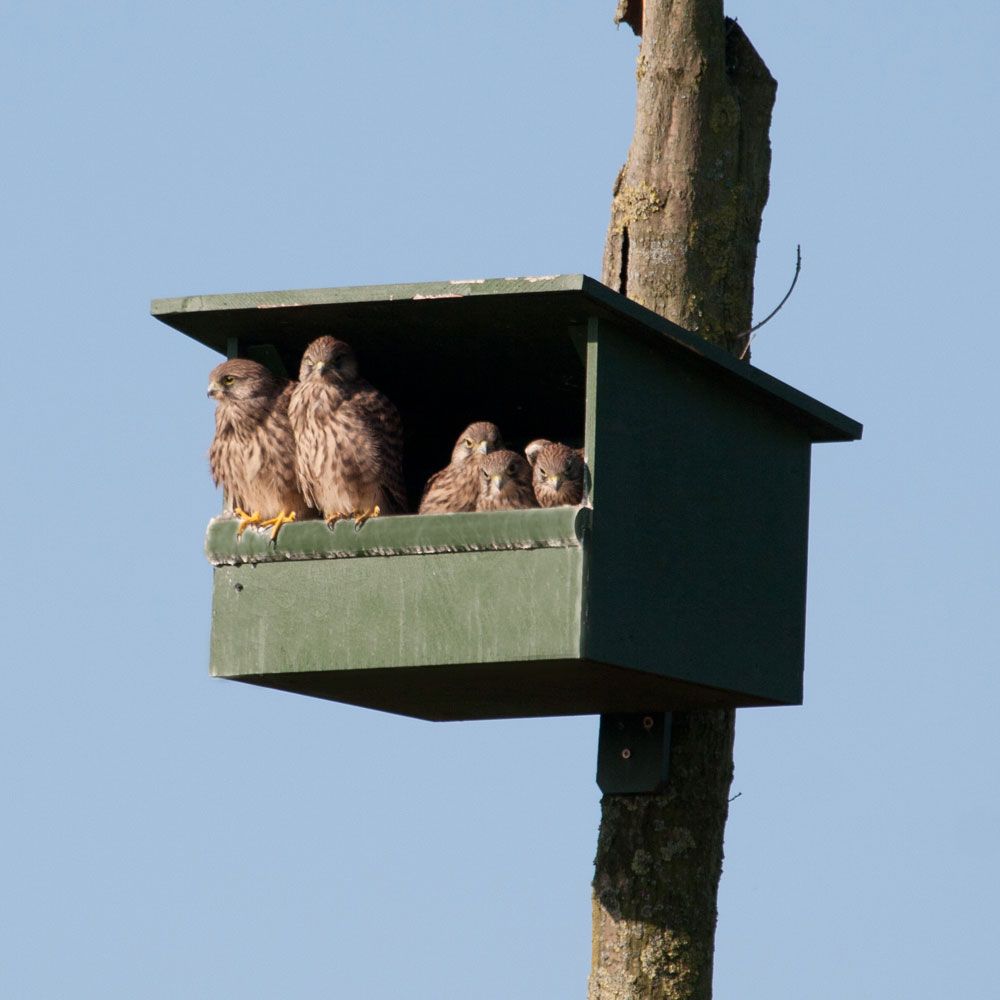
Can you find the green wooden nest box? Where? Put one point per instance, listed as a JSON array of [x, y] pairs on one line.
[[680, 584]]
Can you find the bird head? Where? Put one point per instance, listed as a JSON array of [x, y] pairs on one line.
[[476, 440], [557, 471], [241, 379], [329, 360], [499, 469]]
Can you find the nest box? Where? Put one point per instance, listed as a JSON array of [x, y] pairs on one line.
[[680, 583]]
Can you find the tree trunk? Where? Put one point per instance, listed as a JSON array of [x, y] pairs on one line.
[[685, 221]]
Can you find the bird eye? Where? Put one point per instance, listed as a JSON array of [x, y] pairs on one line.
[[468, 442], [511, 469], [228, 379], [308, 362]]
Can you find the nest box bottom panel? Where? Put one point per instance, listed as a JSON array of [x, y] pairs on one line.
[[461, 616]]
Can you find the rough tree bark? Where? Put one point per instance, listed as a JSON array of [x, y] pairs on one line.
[[685, 221]]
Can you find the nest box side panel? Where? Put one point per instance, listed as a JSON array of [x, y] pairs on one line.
[[328, 621], [697, 558]]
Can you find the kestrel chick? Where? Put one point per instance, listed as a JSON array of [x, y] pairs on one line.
[[557, 475], [456, 487], [348, 437], [504, 482], [253, 452]]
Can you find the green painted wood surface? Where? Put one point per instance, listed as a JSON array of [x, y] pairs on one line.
[[696, 565], [368, 294], [557, 527], [504, 690], [351, 615], [462, 635]]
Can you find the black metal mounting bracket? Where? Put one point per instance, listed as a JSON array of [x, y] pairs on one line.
[[633, 753]]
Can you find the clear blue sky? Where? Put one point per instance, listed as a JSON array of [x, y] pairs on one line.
[[169, 836]]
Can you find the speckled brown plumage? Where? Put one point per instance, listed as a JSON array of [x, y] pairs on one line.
[[348, 437], [505, 482], [557, 473], [456, 486], [252, 455]]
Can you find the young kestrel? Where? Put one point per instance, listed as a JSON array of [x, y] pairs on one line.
[[252, 455], [348, 437], [504, 482], [456, 486], [557, 473]]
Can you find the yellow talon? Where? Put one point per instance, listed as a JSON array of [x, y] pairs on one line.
[[245, 520], [332, 519], [276, 523], [360, 518]]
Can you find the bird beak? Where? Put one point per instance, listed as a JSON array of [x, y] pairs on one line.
[[318, 367], [483, 447], [214, 390], [556, 481], [496, 482]]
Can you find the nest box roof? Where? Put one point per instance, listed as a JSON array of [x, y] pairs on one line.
[[534, 312]]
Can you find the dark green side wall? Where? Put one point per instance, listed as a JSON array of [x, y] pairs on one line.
[[697, 563]]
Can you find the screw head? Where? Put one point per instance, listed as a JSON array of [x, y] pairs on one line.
[[626, 753], [647, 722]]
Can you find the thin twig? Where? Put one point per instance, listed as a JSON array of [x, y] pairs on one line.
[[749, 333]]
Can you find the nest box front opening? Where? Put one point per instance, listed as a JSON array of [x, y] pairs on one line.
[[529, 386], [520, 365], [680, 583]]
